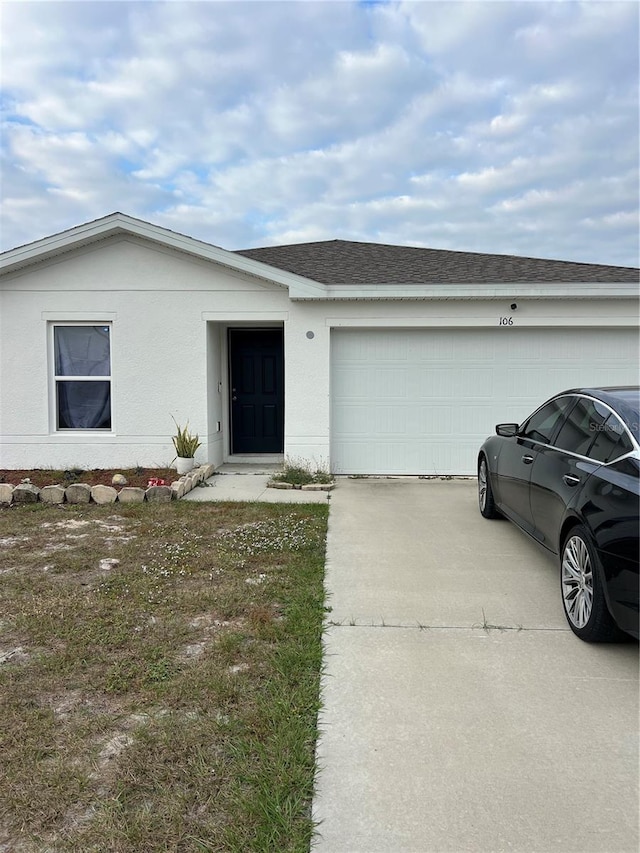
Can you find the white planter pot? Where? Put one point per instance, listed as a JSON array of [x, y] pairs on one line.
[[183, 465]]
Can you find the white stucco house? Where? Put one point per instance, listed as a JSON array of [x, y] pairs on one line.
[[369, 358]]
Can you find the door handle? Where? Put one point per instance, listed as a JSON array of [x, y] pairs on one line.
[[527, 459], [570, 480]]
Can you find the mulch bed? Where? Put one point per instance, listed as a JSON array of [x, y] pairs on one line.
[[41, 477]]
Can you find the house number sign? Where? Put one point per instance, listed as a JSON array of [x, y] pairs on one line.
[[505, 321]]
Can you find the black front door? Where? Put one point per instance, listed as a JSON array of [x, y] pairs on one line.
[[257, 390]]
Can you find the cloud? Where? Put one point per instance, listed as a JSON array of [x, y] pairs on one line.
[[488, 126]]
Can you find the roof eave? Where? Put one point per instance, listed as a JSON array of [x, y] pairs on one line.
[[557, 290]]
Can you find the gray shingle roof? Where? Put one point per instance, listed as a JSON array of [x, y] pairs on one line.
[[346, 262]]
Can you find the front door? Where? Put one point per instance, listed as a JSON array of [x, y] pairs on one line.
[[256, 360]]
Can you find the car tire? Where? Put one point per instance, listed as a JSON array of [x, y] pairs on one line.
[[485, 492], [582, 591]]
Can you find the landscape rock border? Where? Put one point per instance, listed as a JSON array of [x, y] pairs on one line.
[[82, 493], [309, 487]]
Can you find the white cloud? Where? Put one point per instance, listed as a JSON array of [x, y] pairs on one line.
[[488, 126]]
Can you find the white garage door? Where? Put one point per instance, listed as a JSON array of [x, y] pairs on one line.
[[421, 401]]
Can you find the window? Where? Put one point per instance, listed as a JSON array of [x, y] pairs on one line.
[[593, 430], [82, 376], [578, 431], [542, 424], [611, 441]]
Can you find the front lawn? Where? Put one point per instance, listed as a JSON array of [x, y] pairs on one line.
[[159, 676]]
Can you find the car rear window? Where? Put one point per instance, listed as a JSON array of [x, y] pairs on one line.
[[611, 441], [578, 431], [592, 430]]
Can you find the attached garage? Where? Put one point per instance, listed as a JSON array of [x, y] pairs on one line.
[[421, 401]]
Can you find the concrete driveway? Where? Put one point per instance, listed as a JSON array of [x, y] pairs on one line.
[[460, 713]]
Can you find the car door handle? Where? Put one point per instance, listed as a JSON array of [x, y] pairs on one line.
[[570, 480], [527, 459]]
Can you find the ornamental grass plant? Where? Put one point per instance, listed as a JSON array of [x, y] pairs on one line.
[[185, 443]]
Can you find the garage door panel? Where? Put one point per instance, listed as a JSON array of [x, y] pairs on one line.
[[473, 383], [510, 348], [448, 383], [393, 382], [392, 422], [421, 401], [432, 351], [392, 351], [473, 420]]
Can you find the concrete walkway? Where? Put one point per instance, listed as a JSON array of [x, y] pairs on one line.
[[249, 483], [460, 713]]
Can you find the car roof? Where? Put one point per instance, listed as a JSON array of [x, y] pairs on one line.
[[623, 399]]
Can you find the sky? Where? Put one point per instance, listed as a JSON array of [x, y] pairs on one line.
[[500, 127]]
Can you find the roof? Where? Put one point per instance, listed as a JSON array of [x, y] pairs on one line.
[[339, 262], [341, 270]]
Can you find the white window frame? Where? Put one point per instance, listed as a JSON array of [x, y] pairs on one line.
[[55, 379]]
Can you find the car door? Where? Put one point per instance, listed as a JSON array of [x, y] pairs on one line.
[[609, 504], [517, 456], [561, 470]]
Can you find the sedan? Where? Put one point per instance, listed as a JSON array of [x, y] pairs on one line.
[[568, 476]]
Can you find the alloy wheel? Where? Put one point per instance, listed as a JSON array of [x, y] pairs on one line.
[[577, 581], [482, 485]]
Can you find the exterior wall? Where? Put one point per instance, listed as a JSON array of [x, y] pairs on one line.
[[169, 313], [165, 357], [307, 391]]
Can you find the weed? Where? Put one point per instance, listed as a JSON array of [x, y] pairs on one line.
[[302, 473], [488, 626]]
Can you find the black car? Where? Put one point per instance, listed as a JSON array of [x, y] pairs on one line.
[[569, 477]]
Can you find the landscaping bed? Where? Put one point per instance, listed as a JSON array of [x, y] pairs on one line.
[[41, 477], [77, 491], [301, 475]]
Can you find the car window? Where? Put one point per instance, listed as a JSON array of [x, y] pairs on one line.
[[542, 424], [579, 430], [611, 441]]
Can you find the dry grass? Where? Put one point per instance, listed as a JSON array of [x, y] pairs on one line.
[[159, 675]]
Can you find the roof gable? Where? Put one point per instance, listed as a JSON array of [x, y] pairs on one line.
[[116, 224]]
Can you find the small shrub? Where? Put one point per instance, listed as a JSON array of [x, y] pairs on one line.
[[302, 473]]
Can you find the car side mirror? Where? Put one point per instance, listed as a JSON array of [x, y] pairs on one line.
[[507, 430]]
